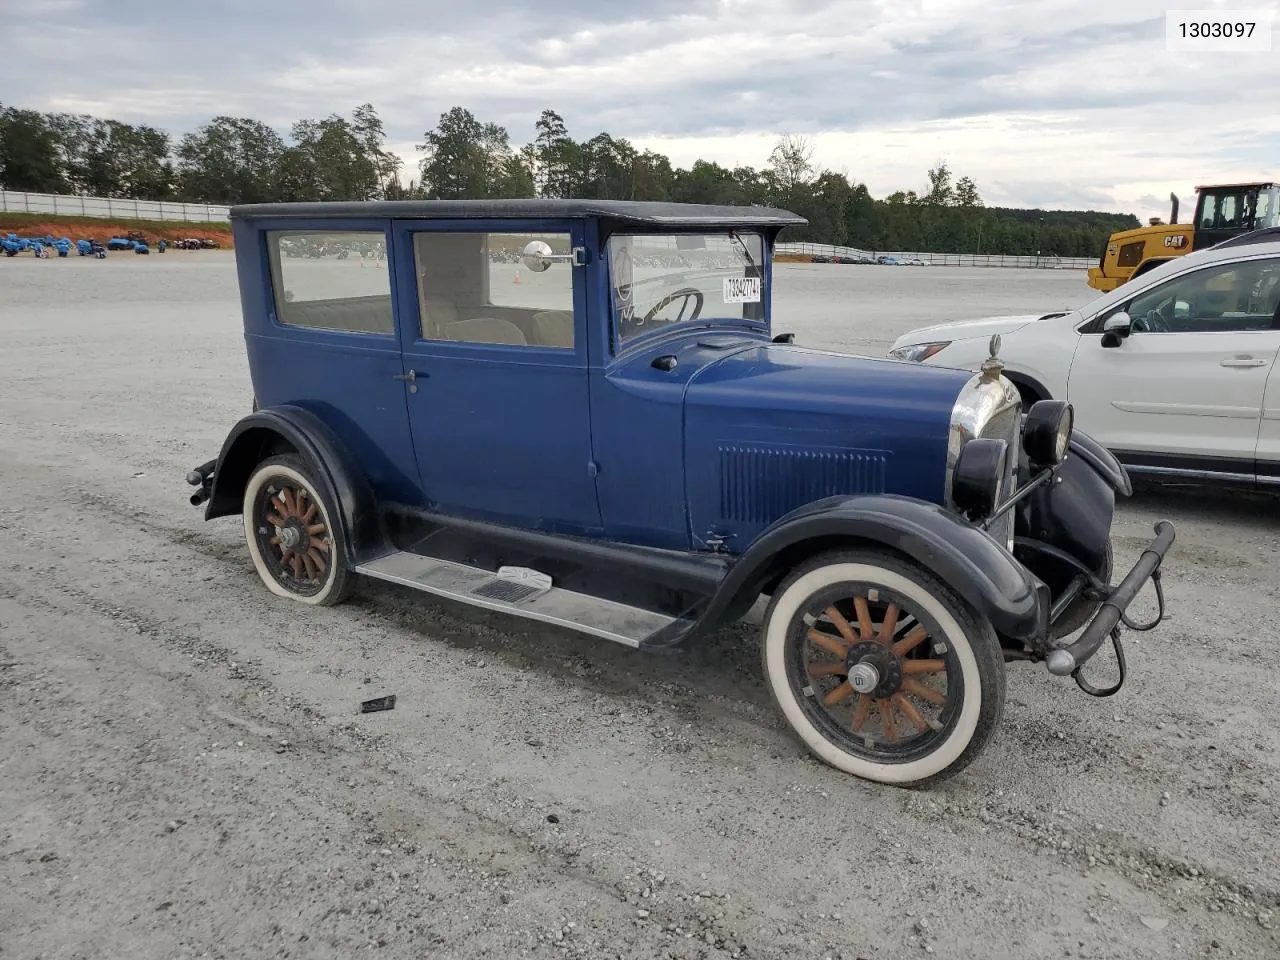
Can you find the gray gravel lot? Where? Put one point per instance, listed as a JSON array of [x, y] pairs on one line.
[[185, 773]]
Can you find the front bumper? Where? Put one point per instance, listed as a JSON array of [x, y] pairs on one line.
[[202, 479], [1067, 660]]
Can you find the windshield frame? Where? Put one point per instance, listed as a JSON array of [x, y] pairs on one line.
[[759, 249]]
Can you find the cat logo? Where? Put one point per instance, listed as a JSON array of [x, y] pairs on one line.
[[1175, 240]]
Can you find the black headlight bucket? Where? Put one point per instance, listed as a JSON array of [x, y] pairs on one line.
[[1046, 434], [979, 476]]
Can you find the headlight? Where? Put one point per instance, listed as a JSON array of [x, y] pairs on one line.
[[1047, 433], [918, 352], [978, 477]]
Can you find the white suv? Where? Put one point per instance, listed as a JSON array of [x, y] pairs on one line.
[[1175, 371]]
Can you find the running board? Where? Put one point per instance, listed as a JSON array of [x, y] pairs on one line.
[[521, 592]]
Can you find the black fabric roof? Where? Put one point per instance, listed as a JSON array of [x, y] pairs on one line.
[[631, 212]]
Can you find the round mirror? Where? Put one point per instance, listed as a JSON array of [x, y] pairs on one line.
[[537, 255]]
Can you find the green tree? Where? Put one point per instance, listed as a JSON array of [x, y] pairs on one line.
[[556, 155], [940, 190], [230, 160], [464, 158], [30, 157]]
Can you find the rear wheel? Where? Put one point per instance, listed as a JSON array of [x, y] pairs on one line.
[[880, 670], [293, 534]]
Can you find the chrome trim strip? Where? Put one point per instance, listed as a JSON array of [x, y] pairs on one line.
[[1198, 474]]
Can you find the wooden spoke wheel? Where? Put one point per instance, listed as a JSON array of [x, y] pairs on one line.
[[289, 528], [880, 669]]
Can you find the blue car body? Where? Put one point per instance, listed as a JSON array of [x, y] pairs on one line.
[[670, 466]]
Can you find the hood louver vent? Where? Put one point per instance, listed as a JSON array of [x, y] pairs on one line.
[[758, 484]]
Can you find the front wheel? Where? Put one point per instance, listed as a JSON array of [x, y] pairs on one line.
[[880, 669], [293, 534]]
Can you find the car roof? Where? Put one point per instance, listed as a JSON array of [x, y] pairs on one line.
[[622, 212]]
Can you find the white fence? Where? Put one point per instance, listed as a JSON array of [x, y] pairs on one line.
[[941, 259], [13, 201]]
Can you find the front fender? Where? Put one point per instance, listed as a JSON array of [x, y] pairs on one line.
[[266, 432], [1102, 460], [963, 557]]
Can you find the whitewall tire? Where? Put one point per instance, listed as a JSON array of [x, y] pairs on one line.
[[880, 670], [293, 534]]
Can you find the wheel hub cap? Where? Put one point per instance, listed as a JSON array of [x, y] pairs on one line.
[[864, 677], [290, 537]]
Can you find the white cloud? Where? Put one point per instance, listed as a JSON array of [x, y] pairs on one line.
[[1055, 103]]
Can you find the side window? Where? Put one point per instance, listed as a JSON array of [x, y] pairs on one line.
[[1227, 298], [332, 280], [474, 287]]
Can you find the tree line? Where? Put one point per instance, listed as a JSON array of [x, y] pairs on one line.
[[241, 160]]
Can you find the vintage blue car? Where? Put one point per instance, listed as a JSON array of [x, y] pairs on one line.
[[577, 412]]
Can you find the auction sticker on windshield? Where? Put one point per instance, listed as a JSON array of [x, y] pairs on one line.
[[741, 289]]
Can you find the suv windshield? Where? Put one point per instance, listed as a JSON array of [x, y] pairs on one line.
[[660, 279]]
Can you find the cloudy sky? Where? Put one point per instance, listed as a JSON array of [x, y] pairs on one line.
[[1043, 102]]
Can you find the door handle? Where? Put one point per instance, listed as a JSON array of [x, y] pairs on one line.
[[1243, 362], [410, 376]]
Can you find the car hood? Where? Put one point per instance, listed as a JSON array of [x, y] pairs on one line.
[[968, 329], [771, 427]]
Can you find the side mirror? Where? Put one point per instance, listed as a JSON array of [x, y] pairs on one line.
[[1115, 328], [536, 255]]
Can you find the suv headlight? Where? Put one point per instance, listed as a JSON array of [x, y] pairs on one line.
[[1047, 433], [978, 479], [918, 352]]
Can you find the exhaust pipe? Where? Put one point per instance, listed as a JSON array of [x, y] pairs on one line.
[[1173, 214]]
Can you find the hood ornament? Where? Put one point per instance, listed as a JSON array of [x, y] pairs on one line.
[[993, 365]]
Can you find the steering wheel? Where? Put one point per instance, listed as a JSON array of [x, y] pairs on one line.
[[1155, 322], [687, 294]]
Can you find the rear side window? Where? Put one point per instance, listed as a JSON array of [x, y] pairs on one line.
[[335, 280]]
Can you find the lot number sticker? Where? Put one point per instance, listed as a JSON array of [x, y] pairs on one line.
[[741, 289]]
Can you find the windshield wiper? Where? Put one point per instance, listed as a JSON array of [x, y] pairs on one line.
[[755, 270]]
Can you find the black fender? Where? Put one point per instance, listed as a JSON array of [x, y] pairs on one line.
[[963, 557], [266, 432], [1102, 460]]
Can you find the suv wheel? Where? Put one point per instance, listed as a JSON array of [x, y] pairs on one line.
[[880, 669], [293, 535]]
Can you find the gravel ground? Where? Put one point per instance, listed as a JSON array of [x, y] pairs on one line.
[[186, 774]]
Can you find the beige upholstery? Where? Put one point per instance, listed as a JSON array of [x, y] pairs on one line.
[[485, 330], [355, 314], [438, 313], [553, 328]]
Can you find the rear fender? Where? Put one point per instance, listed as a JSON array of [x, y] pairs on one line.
[[963, 557], [267, 432]]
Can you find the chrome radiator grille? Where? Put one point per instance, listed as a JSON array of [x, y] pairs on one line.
[[988, 407], [1006, 425]]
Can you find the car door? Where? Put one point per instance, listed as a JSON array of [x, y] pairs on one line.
[[495, 368], [1184, 389], [320, 333], [1268, 454]]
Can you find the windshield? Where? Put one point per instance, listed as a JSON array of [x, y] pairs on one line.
[[660, 279]]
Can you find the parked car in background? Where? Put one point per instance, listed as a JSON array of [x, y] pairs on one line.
[[1174, 372], [612, 439]]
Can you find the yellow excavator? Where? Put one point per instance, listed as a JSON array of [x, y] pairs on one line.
[[1222, 211]]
